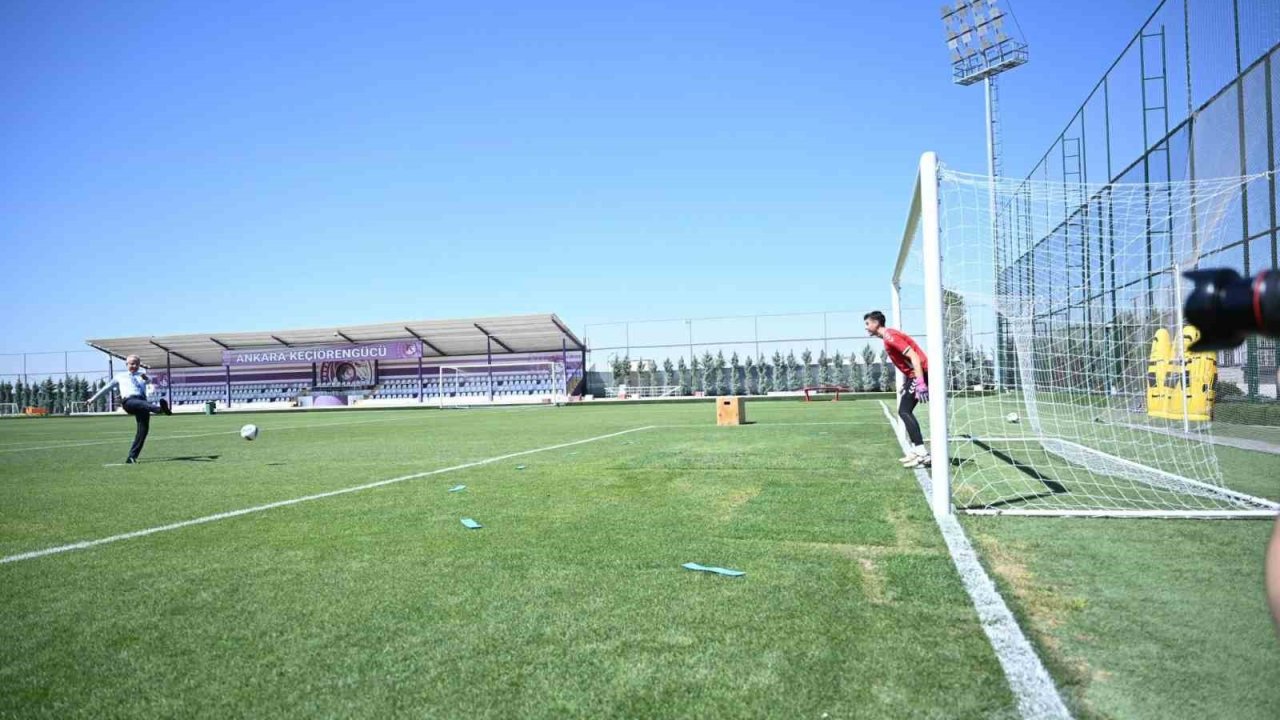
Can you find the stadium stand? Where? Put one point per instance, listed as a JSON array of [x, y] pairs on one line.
[[506, 384], [241, 392], [432, 361]]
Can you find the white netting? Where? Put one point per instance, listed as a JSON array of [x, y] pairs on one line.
[[8, 409], [498, 383], [1048, 323]]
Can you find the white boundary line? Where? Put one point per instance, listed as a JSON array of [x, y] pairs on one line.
[[318, 426], [85, 544], [1032, 687]]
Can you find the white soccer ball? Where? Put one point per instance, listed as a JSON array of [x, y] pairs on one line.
[[1011, 417], [249, 432]]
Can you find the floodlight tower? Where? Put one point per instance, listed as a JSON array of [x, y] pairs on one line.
[[981, 50]]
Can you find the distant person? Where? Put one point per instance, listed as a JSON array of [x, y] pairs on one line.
[[912, 362], [133, 393]]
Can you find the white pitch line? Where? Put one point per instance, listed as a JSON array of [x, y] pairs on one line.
[[1033, 689], [306, 498], [232, 432]]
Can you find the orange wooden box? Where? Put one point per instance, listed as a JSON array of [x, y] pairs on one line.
[[731, 411]]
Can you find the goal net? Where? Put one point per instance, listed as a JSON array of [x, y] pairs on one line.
[[1053, 311], [500, 383], [8, 409]]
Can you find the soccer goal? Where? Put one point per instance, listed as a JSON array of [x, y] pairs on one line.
[[79, 407], [641, 391], [1041, 305], [500, 383], [8, 409]]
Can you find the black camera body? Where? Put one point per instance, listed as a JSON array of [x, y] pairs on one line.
[[1228, 308]]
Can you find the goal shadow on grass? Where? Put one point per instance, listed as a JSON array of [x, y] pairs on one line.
[[1052, 487]]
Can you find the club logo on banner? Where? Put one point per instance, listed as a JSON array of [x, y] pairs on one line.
[[347, 374]]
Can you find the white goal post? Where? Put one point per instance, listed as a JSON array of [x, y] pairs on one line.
[[500, 383], [7, 409], [1050, 296]]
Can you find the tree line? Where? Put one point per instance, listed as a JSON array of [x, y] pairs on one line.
[[54, 397], [717, 375]]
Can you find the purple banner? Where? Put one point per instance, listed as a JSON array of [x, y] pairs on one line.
[[390, 350]]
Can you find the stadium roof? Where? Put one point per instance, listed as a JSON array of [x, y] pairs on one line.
[[440, 338]]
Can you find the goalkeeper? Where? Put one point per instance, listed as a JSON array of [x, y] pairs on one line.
[[907, 356]]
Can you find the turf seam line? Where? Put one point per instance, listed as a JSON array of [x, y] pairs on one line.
[[85, 544], [1032, 686]]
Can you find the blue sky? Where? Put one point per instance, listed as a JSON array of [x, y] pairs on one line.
[[183, 167]]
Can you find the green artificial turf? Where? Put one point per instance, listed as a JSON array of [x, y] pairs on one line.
[[570, 601], [1142, 618]]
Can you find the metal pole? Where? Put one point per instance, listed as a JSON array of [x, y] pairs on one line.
[[168, 379], [488, 343], [824, 333], [895, 312], [422, 390], [111, 373], [690, 324], [755, 322], [564, 364], [1182, 346], [935, 340], [228, 369], [988, 85]]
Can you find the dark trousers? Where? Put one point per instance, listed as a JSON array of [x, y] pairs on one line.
[[141, 410], [907, 411]]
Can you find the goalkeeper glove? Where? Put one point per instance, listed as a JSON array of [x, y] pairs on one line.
[[921, 389]]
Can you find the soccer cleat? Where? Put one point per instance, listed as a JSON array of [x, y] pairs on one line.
[[906, 458], [130, 461], [164, 405], [919, 462]]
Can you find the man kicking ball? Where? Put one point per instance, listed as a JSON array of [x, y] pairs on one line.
[[133, 393], [911, 360]]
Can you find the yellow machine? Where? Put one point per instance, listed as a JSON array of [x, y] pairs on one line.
[[1199, 373], [1158, 367]]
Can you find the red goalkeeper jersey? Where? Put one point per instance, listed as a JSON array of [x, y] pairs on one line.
[[897, 343]]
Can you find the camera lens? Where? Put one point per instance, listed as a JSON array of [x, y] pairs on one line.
[[1228, 308]]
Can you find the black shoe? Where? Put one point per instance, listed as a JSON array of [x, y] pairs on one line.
[[164, 405], [130, 461]]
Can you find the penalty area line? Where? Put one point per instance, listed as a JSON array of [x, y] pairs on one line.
[[1032, 687], [86, 544]]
